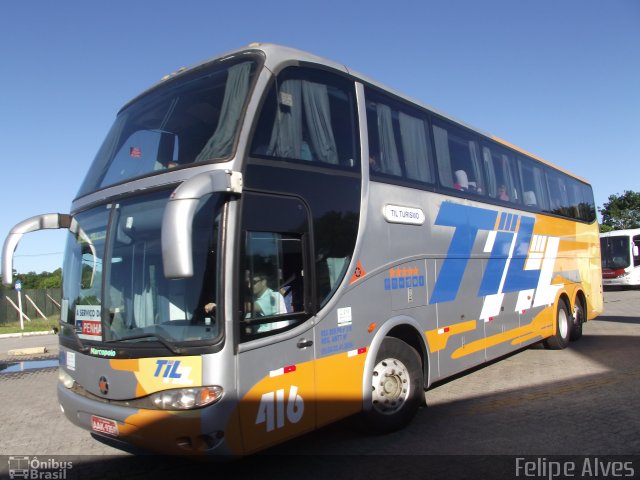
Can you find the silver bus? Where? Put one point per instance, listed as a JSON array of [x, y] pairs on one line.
[[268, 242]]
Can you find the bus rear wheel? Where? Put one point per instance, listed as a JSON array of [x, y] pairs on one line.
[[396, 387], [578, 320], [564, 325]]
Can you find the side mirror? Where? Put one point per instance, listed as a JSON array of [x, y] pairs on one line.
[[40, 222], [177, 221]]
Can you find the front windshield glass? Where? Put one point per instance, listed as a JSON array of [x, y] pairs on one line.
[[114, 288], [615, 252], [190, 119], [82, 274]]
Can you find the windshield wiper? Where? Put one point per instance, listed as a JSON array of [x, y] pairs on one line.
[[175, 350]]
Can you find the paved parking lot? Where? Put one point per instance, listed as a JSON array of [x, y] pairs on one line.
[[578, 401]]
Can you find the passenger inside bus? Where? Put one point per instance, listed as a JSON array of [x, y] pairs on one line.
[[266, 303], [502, 193], [290, 289], [461, 180], [374, 165]]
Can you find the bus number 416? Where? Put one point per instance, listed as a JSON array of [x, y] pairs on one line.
[[273, 408]]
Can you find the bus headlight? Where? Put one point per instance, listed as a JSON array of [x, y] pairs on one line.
[[186, 398], [65, 379]]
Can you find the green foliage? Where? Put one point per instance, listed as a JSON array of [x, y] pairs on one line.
[[621, 212], [33, 280]]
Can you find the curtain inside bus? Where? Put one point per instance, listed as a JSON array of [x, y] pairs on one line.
[[298, 97]]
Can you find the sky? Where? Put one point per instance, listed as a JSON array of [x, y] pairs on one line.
[[558, 78]]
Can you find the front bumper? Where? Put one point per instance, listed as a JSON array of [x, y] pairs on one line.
[[159, 431]]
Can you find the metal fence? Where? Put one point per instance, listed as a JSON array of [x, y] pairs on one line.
[[46, 300]]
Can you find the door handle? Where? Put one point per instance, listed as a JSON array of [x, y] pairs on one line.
[[304, 343]]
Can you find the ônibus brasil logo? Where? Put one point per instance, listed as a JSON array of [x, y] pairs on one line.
[[34, 468]]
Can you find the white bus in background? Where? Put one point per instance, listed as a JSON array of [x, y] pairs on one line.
[[620, 258]]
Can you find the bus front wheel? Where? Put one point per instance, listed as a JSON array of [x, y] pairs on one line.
[[396, 387], [564, 326]]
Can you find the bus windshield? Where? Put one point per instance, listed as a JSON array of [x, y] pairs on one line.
[[190, 119], [615, 252], [114, 288]]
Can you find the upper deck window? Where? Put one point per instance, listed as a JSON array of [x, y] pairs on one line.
[[499, 169], [190, 119], [308, 116], [458, 157], [534, 189], [398, 140]]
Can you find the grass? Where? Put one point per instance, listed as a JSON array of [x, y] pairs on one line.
[[35, 325]]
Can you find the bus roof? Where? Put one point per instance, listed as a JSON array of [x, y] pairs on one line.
[[621, 233], [278, 55]]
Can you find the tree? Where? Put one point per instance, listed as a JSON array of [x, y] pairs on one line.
[[53, 280], [33, 280], [621, 211]]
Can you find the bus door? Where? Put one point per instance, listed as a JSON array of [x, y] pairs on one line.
[[276, 374]]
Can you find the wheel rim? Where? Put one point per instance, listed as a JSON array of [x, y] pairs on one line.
[[391, 386], [577, 313], [563, 323]]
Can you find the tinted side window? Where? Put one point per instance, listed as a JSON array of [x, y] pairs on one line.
[[458, 157], [559, 202], [582, 205], [569, 197], [308, 116], [588, 204], [534, 189], [398, 140], [273, 261], [500, 171], [575, 194], [274, 281]]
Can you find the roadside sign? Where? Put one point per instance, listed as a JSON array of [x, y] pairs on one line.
[[18, 286]]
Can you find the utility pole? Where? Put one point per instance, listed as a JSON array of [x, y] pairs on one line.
[[18, 287]]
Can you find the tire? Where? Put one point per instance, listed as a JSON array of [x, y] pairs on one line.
[[396, 388], [564, 325], [578, 320]]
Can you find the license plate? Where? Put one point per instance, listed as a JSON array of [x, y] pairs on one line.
[[104, 426]]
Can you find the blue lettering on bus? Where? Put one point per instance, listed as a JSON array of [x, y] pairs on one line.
[[467, 222], [167, 368], [404, 282], [517, 277], [336, 340], [343, 347], [496, 264]]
